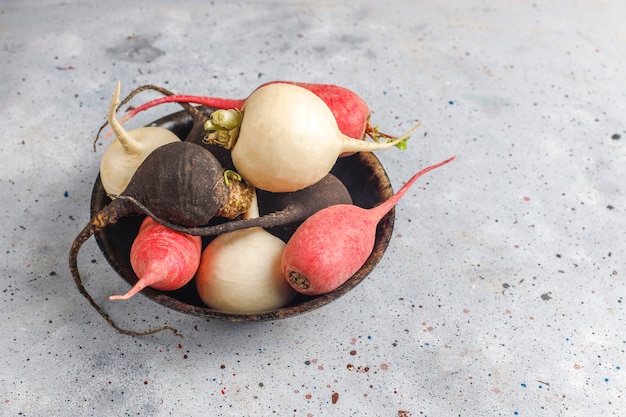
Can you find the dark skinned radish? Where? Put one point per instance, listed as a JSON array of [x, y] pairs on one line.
[[162, 258], [351, 111], [180, 183], [301, 204], [283, 211], [331, 245]]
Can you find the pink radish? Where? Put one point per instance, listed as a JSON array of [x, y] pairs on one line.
[[350, 110], [162, 258], [332, 244]]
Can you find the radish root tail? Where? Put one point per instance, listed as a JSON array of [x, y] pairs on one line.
[[188, 107], [83, 236]]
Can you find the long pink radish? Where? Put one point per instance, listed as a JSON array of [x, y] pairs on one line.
[[162, 258], [332, 244]]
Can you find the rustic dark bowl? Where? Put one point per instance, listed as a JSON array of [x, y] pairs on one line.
[[361, 173]]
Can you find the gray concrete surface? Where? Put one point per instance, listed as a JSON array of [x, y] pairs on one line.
[[502, 290]]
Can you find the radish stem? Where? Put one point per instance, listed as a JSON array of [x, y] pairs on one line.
[[127, 141]]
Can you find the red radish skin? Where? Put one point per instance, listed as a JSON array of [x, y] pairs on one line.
[[334, 243], [162, 258], [350, 110]]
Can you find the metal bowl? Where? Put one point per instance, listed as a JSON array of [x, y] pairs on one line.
[[361, 173]]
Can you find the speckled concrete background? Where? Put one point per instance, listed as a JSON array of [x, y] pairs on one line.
[[501, 293]]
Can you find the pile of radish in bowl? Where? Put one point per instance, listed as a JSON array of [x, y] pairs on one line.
[[253, 209]]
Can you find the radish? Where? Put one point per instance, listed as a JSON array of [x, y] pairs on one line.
[[289, 140], [162, 258], [331, 245], [180, 183], [284, 211], [123, 156], [240, 272], [300, 205]]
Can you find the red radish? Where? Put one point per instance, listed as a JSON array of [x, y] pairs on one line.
[[350, 110], [162, 258], [332, 244]]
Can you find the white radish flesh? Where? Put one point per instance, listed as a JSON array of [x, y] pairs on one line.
[[123, 156], [240, 272]]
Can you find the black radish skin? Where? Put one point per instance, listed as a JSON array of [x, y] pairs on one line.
[[302, 204], [179, 183], [284, 211]]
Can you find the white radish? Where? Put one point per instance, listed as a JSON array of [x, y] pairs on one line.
[[240, 272], [289, 139], [128, 150]]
